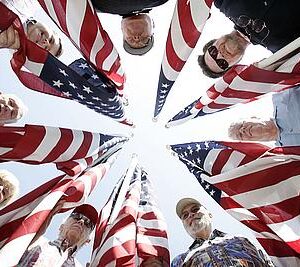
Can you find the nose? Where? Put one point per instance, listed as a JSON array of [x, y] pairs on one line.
[[136, 38]]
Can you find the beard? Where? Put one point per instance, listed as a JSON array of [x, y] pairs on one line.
[[202, 225]]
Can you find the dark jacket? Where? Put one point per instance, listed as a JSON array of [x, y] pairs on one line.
[[126, 7], [281, 18]]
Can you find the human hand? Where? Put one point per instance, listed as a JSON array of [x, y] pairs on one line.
[[10, 38]]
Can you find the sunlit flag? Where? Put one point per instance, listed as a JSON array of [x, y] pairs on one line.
[[49, 75], [130, 228], [256, 185], [22, 219], [79, 21], [241, 84], [186, 26], [71, 150]]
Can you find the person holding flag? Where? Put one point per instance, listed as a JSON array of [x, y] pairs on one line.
[[73, 234], [213, 247], [255, 22]]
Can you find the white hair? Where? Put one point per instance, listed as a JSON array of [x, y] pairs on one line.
[[10, 180], [22, 108]]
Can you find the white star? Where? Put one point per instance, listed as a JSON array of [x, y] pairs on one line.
[[207, 186], [165, 85], [103, 85], [72, 85], [63, 72], [94, 76], [90, 103], [87, 89], [96, 98], [67, 94], [80, 96], [57, 83], [198, 147], [212, 192], [83, 65], [164, 91]]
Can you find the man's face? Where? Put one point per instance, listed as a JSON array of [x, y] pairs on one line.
[[137, 30], [196, 220], [229, 48], [75, 231], [44, 37], [9, 109], [252, 131]]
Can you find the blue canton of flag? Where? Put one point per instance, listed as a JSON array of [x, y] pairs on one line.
[[81, 83], [164, 87]]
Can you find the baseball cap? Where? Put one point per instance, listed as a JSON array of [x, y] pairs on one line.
[[182, 203], [88, 211], [139, 51]]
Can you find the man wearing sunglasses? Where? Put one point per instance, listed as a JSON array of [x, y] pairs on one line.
[[136, 25], [256, 22], [73, 233], [213, 247]]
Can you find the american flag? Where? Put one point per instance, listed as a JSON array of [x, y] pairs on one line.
[[21, 220], [152, 238], [79, 21], [49, 75], [241, 84], [187, 23], [256, 185], [71, 150], [130, 228]]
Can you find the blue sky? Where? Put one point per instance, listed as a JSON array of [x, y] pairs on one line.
[[171, 179]]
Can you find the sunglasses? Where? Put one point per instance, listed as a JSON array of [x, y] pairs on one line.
[[221, 62], [87, 222], [256, 26]]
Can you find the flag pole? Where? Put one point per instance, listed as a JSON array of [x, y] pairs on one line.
[[281, 55]]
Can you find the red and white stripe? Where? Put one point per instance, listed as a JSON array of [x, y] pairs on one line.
[[79, 21], [20, 221], [243, 84], [260, 188], [68, 148], [115, 238], [136, 232], [152, 238], [187, 23]]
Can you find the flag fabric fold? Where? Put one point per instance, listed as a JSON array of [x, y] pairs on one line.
[[188, 20], [49, 75], [21, 220], [130, 227], [256, 185], [241, 84], [80, 23], [71, 150]]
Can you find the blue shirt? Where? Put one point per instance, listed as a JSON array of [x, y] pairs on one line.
[[221, 250], [287, 116]]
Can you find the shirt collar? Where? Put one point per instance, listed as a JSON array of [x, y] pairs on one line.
[[59, 244], [199, 241]]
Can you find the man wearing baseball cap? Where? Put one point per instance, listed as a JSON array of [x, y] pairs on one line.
[[213, 247], [136, 25], [73, 233]]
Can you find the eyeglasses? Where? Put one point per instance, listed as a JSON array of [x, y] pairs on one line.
[[78, 216], [221, 62], [256, 26]]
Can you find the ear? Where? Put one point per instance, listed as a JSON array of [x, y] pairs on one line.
[[61, 227]]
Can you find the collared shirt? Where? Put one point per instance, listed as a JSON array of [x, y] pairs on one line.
[[221, 250], [286, 116], [48, 253]]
